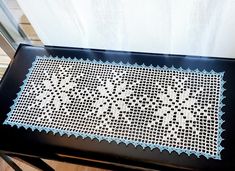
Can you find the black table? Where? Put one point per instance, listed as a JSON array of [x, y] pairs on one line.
[[24, 143]]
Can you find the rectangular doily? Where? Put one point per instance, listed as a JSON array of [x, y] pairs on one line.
[[165, 108]]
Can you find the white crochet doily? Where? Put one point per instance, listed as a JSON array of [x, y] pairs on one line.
[[147, 106]]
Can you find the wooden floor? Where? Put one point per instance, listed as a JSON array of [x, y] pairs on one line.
[[58, 166]]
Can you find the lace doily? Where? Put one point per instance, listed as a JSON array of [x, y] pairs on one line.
[[165, 108]]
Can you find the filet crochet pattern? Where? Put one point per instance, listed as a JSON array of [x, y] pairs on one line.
[[157, 107]]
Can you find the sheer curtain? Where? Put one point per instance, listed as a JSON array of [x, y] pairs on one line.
[[195, 27]]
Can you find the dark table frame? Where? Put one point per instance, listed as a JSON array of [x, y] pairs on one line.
[[32, 145]]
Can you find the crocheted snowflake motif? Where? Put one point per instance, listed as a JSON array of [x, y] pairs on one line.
[[113, 95], [54, 92], [175, 107]]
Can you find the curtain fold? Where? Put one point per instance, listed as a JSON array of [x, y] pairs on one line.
[[193, 27]]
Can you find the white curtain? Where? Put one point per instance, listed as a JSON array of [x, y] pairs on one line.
[[195, 27]]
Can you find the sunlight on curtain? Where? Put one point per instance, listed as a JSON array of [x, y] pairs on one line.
[[196, 27]]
